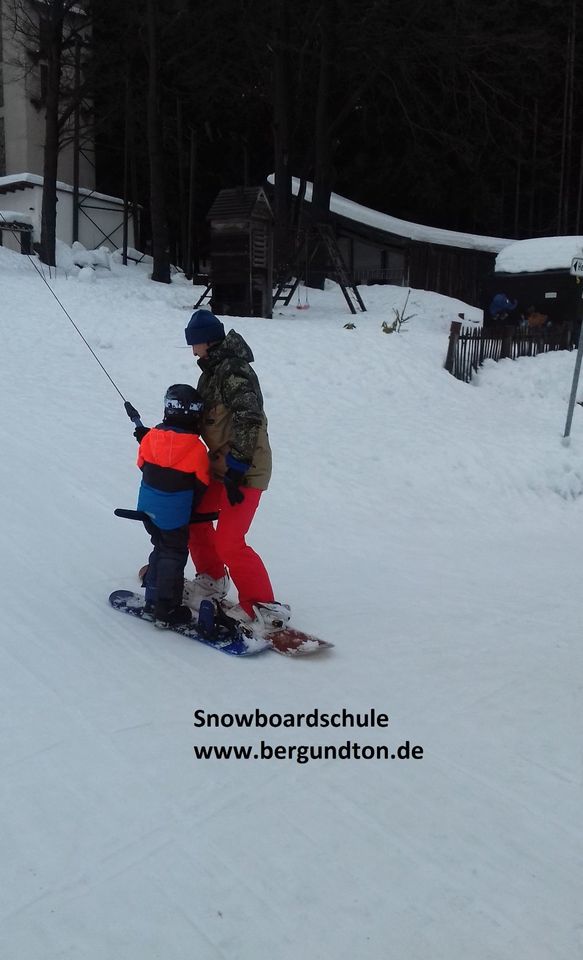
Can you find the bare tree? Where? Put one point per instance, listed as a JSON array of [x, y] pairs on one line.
[[158, 213], [281, 127]]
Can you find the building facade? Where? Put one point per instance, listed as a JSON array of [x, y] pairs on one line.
[[23, 79], [82, 214]]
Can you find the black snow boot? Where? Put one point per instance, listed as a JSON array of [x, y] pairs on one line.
[[149, 610], [167, 615]]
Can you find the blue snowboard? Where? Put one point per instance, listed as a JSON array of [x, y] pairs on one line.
[[237, 643]]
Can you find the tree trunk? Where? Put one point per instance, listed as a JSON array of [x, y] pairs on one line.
[[51, 147], [160, 252], [567, 128], [320, 207], [281, 145], [183, 210], [191, 188]]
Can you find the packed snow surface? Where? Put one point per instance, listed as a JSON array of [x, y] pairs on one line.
[[431, 529]]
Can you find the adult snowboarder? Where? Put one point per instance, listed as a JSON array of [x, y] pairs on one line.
[[234, 427]]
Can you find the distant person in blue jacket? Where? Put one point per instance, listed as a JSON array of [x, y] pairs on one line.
[[501, 307]]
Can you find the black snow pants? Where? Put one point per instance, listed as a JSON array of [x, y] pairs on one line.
[[164, 580]]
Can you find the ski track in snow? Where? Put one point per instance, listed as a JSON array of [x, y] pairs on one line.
[[431, 529]]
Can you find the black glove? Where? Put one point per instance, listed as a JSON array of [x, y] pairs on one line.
[[140, 433], [233, 480], [236, 470], [131, 411]]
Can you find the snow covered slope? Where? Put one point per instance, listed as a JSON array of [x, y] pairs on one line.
[[431, 529]]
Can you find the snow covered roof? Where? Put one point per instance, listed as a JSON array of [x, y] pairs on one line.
[[19, 181], [403, 228], [74, 8], [14, 216], [540, 253], [243, 202]]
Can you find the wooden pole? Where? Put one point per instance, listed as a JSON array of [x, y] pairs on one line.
[[189, 266], [126, 154], [454, 335], [76, 139]]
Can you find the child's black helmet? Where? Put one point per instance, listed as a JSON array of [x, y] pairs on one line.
[[182, 403]]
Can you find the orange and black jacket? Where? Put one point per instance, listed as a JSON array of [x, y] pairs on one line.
[[174, 464]]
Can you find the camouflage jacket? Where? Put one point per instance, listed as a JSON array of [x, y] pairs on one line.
[[233, 417]]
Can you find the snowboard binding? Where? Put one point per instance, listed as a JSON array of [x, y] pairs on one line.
[[214, 624]]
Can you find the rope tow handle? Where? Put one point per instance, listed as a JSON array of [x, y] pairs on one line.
[[132, 414], [141, 515], [129, 409]]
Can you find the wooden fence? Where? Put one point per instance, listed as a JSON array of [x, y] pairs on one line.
[[470, 346]]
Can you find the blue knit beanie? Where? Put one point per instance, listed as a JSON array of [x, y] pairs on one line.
[[203, 327]]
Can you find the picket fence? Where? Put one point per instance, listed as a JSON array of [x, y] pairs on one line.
[[470, 346]]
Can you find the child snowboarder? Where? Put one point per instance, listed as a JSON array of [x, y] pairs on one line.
[[174, 463]]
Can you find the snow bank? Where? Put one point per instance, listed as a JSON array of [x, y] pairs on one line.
[[70, 259], [133, 255], [91, 258]]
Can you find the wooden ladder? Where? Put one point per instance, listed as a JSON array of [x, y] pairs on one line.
[[345, 281], [324, 234], [208, 292]]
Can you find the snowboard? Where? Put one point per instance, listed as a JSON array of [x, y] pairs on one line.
[[295, 643], [232, 642], [285, 640], [228, 635]]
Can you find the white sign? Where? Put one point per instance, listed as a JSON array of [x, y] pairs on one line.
[[576, 267]]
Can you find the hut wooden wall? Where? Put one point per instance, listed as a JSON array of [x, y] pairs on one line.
[[450, 270]]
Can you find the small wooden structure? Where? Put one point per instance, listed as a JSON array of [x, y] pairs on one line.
[[382, 255], [241, 258], [553, 293], [17, 228], [320, 234]]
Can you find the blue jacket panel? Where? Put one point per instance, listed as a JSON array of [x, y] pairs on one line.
[[167, 510]]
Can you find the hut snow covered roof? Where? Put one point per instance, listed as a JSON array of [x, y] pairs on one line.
[[240, 203]]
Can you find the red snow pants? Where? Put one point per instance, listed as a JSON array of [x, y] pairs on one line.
[[214, 549]]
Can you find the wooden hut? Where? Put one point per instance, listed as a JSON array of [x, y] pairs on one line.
[[241, 257], [536, 274]]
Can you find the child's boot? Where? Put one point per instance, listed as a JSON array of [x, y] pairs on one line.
[[168, 615]]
